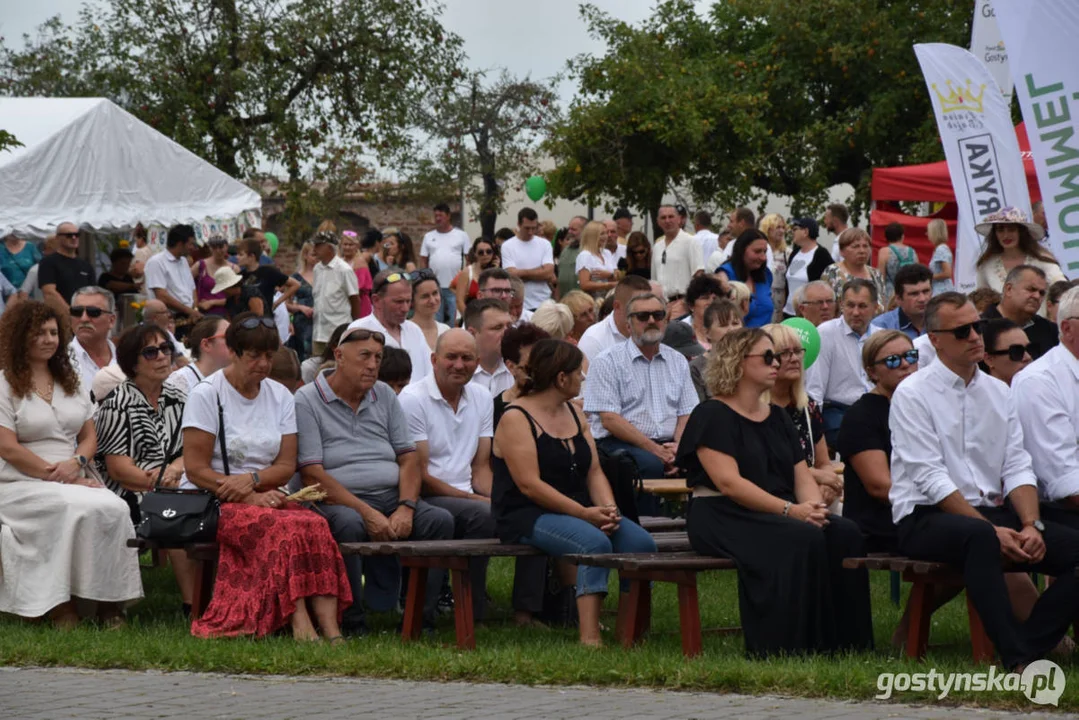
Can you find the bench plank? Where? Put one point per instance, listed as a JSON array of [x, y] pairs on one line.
[[655, 561]]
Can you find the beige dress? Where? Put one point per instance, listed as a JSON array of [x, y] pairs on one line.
[[58, 541]]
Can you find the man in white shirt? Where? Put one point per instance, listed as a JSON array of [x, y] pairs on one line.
[[92, 317], [837, 379], [614, 328], [815, 302], [957, 456], [1047, 399], [702, 228], [722, 253], [444, 250], [835, 222], [168, 274], [336, 291], [623, 220], [676, 257], [391, 299], [487, 319], [530, 258], [618, 252], [639, 393]]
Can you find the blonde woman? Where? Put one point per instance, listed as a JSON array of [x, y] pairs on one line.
[[301, 306], [941, 262], [595, 264], [856, 247], [554, 318], [775, 229], [583, 307], [789, 393], [741, 296]]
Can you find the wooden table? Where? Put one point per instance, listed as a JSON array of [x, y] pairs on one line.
[[673, 488]]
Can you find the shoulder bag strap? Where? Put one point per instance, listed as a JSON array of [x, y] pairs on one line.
[[812, 447], [221, 435]]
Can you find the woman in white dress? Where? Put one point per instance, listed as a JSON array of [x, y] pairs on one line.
[[1012, 240], [62, 536], [596, 266]]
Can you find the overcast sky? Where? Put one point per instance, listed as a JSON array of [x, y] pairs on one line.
[[527, 37]]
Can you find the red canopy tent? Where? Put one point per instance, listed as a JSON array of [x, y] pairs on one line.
[[930, 182]]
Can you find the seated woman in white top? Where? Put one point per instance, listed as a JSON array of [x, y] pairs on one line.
[[62, 535], [596, 265]]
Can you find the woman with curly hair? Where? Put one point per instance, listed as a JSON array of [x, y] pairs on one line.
[[1012, 240], [754, 500], [62, 534]]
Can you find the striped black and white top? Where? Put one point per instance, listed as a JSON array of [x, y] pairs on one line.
[[128, 425]]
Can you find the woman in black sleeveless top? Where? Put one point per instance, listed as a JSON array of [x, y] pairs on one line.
[[755, 501], [549, 490]]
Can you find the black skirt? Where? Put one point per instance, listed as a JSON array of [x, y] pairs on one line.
[[793, 593]]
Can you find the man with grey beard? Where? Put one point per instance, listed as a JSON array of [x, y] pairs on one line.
[[639, 393]]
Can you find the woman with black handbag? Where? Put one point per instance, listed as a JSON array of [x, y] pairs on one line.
[[62, 535], [139, 444], [276, 559]]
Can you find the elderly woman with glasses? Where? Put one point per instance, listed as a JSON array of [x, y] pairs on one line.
[[278, 563], [756, 501]]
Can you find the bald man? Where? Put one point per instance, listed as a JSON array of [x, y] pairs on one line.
[[451, 420]]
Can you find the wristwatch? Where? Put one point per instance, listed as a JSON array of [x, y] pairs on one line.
[[1038, 525], [410, 504], [81, 459], [255, 479]]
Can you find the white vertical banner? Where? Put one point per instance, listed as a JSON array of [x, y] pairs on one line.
[[1043, 40], [987, 43], [979, 143]]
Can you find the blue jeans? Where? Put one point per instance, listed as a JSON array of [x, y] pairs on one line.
[[648, 465], [832, 415], [559, 535], [447, 313]]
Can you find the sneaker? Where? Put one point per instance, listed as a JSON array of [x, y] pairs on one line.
[[445, 601]]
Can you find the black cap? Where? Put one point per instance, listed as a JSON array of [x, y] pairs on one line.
[[680, 336], [622, 213], [809, 224], [681, 210]]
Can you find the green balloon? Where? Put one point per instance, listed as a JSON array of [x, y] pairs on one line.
[[809, 336], [271, 240], [535, 187]]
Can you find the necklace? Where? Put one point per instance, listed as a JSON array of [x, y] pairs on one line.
[[47, 394]]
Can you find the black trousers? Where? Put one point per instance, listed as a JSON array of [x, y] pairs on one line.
[[971, 545]]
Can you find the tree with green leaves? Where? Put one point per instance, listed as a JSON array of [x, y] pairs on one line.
[[240, 82], [483, 139], [755, 95], [7, 140]]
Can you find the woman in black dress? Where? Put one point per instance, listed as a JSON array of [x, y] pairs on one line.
[[549, 490], [756, 502]]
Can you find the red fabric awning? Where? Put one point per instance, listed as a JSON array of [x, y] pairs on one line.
[[914, 233]]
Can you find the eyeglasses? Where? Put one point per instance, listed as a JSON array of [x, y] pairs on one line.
[[892, 362], [791, 354], [1015, 353], [361, 334], [484, 253], [151, 352], [71, 235], [93, 312], [817, 302], [646, 315], [769, 357], [962, 332], [253, 322], [502, 292], [639, 251], [423, 274]]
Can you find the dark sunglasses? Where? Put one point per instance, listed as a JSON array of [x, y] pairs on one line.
[[363, 334], [892, 362], [639, 251], [253, 322], [93, 312], [1015, 353], [646, 315], [962, 332], [74, 234], [663, 257], [152, 351], [485, 252], [424, 274], [770, 357]]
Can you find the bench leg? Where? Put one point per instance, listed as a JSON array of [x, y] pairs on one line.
[[462, 607], [412, 623], [920, 604], [689, 615], [205, 574], [634, 612], [979, 641]]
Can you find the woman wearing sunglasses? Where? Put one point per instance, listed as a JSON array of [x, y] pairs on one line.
[[139, 442], [483, 255], [1007, 349], [68, 533], [754, 500], [278, 563], [789, 393]]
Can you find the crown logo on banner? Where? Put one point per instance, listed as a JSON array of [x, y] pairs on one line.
[[962, 99]]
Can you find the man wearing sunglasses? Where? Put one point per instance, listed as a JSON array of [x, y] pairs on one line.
[[63, 272], [445, 250], [964, 491], [92, 318], [639, 393], [1024, 293], [391, 300], [1047, 398], [676, 257]]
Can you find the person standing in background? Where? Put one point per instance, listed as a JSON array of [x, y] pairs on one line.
[[64, 272], [529, 258], [444, 250], [941, 262]]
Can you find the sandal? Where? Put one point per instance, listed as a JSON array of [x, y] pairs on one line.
[[336, 640]]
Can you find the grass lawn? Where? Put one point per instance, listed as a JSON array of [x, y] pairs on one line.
[[157, 637]]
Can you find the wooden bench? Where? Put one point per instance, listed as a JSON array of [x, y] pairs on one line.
[[924, 576], [662, 524], [639, 570]]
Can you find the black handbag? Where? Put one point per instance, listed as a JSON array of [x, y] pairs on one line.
[[181, 517]]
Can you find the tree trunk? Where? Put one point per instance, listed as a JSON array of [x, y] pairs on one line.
[[489, 200]]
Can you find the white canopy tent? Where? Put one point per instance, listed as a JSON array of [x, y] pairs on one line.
[[87, 161]]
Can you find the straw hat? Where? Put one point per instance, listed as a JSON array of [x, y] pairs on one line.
[[1010, 216], [224, 278]]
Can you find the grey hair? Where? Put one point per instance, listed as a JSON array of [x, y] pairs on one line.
[[518, 286], [800, 293], [644, 296], [1068, 308], [1016, 273], [96, 290]]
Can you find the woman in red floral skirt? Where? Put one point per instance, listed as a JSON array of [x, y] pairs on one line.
[[278, 563]]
